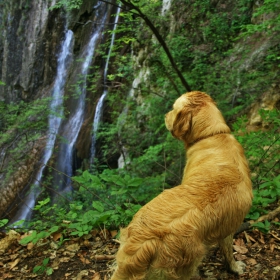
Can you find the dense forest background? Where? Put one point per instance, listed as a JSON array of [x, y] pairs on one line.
[[229, 49]]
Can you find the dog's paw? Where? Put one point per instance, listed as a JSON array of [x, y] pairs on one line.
[[238, 267]]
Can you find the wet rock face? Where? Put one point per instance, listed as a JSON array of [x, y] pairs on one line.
[[11, 189], [269, 100], [31, 37]]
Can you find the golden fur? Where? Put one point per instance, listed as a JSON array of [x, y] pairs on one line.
[[169, 236]]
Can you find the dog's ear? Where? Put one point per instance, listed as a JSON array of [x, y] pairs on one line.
[[182, 124]]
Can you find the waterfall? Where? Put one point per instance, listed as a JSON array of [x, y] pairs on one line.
[[142, 76], [70, 130], [166, 4], [99, 106], [64, 60]]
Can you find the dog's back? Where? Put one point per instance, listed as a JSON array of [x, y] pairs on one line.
[[219, 175]]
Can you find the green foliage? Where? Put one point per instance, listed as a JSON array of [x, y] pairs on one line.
[[262, 226], [41, 269], [67, 4], [21, 126], [111, 199], [267, 193], [36, 236], [204, 46], [262, 150], [267, 17], [152, 150], [117, 194], [262, 146], [42, 203], [3, 222], [126, 29]]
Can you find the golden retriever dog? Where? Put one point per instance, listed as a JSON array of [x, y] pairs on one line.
[[170, 235]]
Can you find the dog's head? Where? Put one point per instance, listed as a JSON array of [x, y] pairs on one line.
[[195, 116]]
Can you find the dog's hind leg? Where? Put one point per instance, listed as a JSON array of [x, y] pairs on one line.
[[191, 270], [226, 248]]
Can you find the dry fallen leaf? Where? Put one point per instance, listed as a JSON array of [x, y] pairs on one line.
[[240, 249], [251, 261], [251, 238], [64, 259], [14, 263], [73, 247], [13, 256], [275, 236], [83, 259], [30, 246], [55, 263], [8, 275], [87, 243], [261, 239], [239, 242], [240, 257], [113, 233], [56, 235], [96, 276], [81, 274]]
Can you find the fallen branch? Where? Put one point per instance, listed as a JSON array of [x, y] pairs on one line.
[[270, 216], [104, 257]]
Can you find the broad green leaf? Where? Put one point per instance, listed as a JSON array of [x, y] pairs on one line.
[[46, 261], [98, 205], [3, 222], [119, 192]]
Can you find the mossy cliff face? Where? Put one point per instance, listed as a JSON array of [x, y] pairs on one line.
[[226, 48]]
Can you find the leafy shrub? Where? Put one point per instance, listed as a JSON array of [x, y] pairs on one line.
[[262, 146], [262, 150]]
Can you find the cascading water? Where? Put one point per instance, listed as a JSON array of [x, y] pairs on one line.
[[64, 60], [99, 106], [166, 4], [142, 76], [70, 130]]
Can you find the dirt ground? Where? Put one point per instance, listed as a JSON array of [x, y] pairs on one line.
[[92, 257]]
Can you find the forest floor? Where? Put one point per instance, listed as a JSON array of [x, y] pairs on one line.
[[92, 257]]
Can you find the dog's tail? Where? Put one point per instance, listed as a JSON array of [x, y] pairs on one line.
[[150, 259], [134, 259]]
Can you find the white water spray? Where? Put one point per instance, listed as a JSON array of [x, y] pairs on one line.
[[71, 129], [99, 106], [166, 4]]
